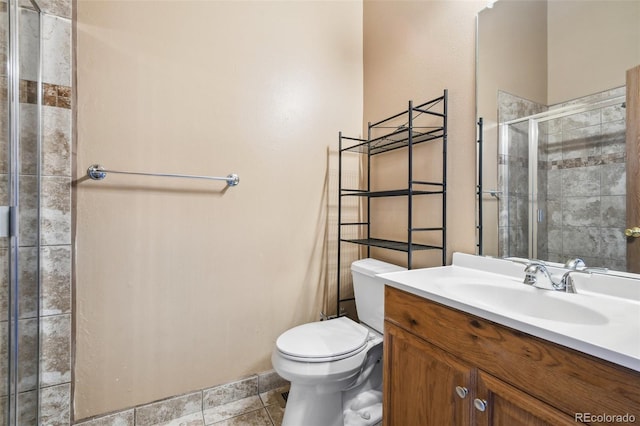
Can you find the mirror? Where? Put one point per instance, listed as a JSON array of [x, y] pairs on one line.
[[551, 94]]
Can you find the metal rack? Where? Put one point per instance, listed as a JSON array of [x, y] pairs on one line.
[[424, 123]]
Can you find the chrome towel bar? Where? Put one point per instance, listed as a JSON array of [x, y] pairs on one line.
[[97, 172]]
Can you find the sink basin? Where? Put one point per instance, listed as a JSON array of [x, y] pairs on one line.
[[602, 319], [525, 300]]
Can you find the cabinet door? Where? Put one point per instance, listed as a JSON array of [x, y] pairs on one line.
[[500, 404], [420, 383]]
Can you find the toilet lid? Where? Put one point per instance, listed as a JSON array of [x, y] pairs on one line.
[[323, 340]]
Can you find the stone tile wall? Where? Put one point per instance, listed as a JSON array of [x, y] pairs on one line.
[[50, 327], [586, 187], [56, 307]]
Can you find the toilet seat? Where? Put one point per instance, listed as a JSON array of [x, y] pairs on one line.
[[323, 341]]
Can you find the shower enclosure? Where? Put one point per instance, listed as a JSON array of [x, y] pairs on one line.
[[20, 176], [561, 178]]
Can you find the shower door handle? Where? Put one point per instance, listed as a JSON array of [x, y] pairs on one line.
[[5, 221]]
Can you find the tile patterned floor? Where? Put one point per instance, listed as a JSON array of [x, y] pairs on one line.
[[265, 409], [256, 400], [253, 401]]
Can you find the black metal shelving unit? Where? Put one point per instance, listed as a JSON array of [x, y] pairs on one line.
[[419, 124]]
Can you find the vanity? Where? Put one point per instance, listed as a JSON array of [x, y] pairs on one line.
[[470, 344]]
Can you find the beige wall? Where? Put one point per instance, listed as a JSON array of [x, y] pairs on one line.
[[414, 50], [186, 287], [591, 46], [181, 284]]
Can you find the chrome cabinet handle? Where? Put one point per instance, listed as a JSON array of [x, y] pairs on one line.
[[462, 391], [480, 404]]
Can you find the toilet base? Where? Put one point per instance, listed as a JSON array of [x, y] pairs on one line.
[[316, 405], [362, 406], [306, 406]]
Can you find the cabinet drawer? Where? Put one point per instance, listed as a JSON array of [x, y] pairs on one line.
[[572, 381]]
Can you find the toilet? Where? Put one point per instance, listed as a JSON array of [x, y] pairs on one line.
[[335, 366]]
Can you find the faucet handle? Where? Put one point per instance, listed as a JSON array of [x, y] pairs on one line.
[[566, 283], [532, 271], [576, 263], [530, 274]]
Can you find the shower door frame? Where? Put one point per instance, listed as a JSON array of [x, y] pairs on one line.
[[10, 215], [633, 166], [535, 213]]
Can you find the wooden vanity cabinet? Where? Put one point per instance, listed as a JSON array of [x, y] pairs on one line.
[[420, 382], [446, 367], [507, 405]]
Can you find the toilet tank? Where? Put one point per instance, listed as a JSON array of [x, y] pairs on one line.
[[369, 290]]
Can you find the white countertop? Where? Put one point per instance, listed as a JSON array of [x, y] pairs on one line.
[[602, 319]]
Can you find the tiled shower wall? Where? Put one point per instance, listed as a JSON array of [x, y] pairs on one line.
[[55, 364], [586, 188], [55, 255], [581, 181]]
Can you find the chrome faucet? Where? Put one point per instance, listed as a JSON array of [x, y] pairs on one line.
[[537, 275], [566, 282]]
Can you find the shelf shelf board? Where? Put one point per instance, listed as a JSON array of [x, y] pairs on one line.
[[426, 229], [392, 245], [389, 193], [396, 139]]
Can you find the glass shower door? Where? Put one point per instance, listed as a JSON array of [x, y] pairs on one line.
[[562, 174], [514, 188], [20, 158]]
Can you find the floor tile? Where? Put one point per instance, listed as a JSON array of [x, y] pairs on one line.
[[229, 392], [165, 411], [195, 419], [270, 380], [255, 418], [232, 409], [124, 418], [276, 413], [274, 397]]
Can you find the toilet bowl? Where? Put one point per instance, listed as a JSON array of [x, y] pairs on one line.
[[335, 366]]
